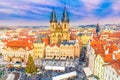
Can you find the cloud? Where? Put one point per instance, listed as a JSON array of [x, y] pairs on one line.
[[116, 6], [44, 2], [13, 7], [6, 11], [94, 20], [80, 11], [91, 4], [23, 6], [40, 10], [24, 23], [111, 20], [11, 11]]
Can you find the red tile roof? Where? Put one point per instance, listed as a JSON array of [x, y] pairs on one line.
[[72, 36], [98, 46], [51, 45], [27, 38], [108, 58], [46, 40], [16, 44], [115, 34], [116, 66], [112, 48]]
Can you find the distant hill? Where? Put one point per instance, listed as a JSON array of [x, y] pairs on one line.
[[6, 28], [32, 27]]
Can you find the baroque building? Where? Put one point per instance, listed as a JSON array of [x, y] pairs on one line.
[[39, 48], [59, 32], [17, 50], [65, 50]]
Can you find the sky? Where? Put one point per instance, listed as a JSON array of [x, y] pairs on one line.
[[37, 12]]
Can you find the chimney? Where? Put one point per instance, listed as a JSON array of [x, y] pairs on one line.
[[107, 51], [104, 47], [100, 38], [113, 57], [118, 50]]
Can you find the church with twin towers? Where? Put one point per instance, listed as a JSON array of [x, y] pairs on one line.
[[59, 31]]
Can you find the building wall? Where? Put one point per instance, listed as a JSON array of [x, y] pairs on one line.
[[98, 67], [91, 57], [52, 52], [110, 73], [39, 50], [77, 48], [14, 55], [59, 32], [85, 39], [67, 51], [62, 51], [2, 44]]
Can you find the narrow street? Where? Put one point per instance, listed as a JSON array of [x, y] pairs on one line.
[[83, 55], [17, 75]]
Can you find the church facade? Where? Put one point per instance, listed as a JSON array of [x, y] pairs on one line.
[[59, 32]]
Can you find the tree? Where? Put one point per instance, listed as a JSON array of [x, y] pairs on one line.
[[96, 77], [30, 68]]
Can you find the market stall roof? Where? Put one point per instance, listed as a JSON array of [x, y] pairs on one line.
[[54, 68], [87, 71], [64, 76]]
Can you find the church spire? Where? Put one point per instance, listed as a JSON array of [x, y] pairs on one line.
[[53, 16], [97, 29], [65, 15]]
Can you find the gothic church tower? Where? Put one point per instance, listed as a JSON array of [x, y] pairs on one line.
[[58, 32]]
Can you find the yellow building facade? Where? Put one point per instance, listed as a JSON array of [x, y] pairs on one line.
[[66, 50], [12, 55], [39, 48], [59, 32], [17, 50], [84, 39], [99, 68]]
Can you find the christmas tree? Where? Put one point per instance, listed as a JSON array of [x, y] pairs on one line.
[[30, 68]]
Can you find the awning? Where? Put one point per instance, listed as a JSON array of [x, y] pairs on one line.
[[48, 58], [63, 58], [87, 71], [91, 78]]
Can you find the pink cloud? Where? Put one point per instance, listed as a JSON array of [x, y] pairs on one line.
[[13, 7], [24, 23], [21, 9], [11, 11], [94, 20], [44, 2], [116, 6], [40, 10], [6, 11], [91, 4]]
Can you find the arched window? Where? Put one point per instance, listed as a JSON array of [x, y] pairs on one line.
[[53, 35], [53, 26], [65, 26]]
